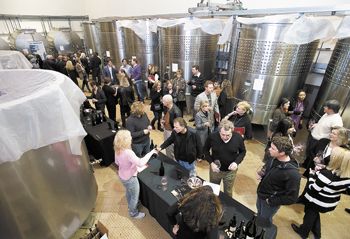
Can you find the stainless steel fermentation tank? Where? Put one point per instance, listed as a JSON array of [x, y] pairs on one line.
[[263, 68], [92, 37], [47, 193], [336, 82], [183, 48], [21, 39], [122, 42], [112, 41], [64, 41]]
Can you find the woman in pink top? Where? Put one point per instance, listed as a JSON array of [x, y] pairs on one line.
[[128, 162]]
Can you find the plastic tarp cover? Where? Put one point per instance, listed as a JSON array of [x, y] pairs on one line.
[[140, 27], [13, 60], [304, 29], [209, 26], [38, 108]]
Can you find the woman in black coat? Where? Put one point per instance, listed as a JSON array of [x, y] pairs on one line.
[[126, 98], [241, 119], [156, 105]]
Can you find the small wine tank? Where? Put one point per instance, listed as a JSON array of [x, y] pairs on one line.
[[64, 41], [92, 37], [263, 68], [25, 39], [336, 82]]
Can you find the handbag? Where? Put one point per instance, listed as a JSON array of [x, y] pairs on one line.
[[157, 107]]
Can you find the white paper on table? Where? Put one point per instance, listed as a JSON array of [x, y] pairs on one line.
[[104, 236], [258, 84], [174, 67], [140, 169], [215, 187]]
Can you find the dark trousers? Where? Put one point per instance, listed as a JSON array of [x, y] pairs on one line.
[[111, 112], [310, 150], [311, 222], [85, 83], [181, 105], [124, 113], [96, 76], [157, 117]]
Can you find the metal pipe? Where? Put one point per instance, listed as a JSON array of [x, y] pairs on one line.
[[82, 17], [19, 24], [7, 26]]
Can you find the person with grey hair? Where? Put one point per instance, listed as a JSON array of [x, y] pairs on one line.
[[171, 112], [322, 129], [224, 150]]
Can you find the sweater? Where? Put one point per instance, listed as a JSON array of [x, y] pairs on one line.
[[324, 190], [193, 147], [136, 125], [227, 153], [281, 182], [128, 163]]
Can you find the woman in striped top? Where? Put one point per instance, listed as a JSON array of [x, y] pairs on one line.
[[324, 190]]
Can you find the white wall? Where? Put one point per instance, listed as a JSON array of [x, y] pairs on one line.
[[104, 8]]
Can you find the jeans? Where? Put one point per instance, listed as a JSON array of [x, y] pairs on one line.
[[228, 178], [157, 117], [132, 187], [265, 210], [139, 89], [189, 166], [141, 149]]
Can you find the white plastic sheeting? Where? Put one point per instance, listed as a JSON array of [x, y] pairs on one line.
[[306, 28], [13, 60], [38, 108], [140, 27]]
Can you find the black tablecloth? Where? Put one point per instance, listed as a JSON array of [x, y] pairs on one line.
[[99, 142], [158, 201]]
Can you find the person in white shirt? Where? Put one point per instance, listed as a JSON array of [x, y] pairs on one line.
[[322, 128]]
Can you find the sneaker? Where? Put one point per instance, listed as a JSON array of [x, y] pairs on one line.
[[140, 215], [191, 120]]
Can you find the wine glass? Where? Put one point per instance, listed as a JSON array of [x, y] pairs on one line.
[[164, 181]]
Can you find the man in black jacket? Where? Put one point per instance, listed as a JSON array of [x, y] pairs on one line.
[[171, 112], [111, 95], [280, 179], [197, 86], [187, 145], [95, 64], [224, 150]]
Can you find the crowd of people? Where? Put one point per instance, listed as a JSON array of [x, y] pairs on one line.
[[218, 136]]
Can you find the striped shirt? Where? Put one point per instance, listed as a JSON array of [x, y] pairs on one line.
[[324, 190]]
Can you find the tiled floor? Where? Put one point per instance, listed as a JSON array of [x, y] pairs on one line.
[[111, 206]]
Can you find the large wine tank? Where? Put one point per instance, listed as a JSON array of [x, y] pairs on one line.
[[91, 37], [65, 41], [263, 68], [181, 48], [145, 48], [336, 82], [24, 38], [112, 41], [4, 45]]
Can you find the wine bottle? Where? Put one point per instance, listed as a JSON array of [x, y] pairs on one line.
[[161, 169], [250, 229], [151, 146], [230, 231], [261, 235], [239, 234]]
